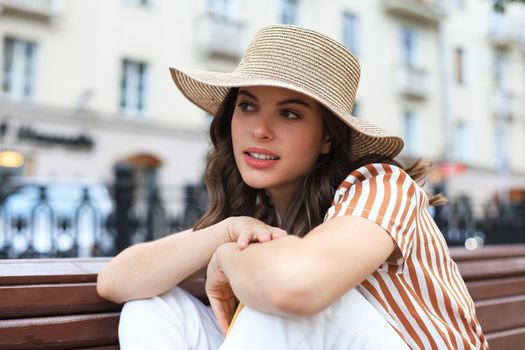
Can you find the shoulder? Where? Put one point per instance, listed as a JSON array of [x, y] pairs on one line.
[[375, 174]]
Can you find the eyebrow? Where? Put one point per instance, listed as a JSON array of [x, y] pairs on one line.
[[288, 101]]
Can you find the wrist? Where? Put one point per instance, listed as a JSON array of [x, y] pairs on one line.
[[226, 230], [224, 252], [221, 231]]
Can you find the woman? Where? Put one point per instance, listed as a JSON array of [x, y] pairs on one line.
[[312, 224]]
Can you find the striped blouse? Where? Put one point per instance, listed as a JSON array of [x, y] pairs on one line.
[[422, 295]]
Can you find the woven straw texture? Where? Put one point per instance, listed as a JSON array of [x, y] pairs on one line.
[[298, 59]]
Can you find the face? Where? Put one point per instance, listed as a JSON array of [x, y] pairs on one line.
[[277, 137]]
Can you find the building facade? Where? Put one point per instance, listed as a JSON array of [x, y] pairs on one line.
[[85, 84]]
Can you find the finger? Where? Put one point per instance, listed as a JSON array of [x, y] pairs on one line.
[[227, 311], [224, 325], [263, 235], [244, 240], [219, 315], [278, 233]]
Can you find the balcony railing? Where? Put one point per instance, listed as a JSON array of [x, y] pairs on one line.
[[505, 33], [426, 11], [506, 106], [220, 36], [412, 81], [518, 108], [44, 8]]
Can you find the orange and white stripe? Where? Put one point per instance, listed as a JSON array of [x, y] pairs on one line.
[[422, 295]]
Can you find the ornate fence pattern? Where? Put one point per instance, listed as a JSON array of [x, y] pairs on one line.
[[87, 229]]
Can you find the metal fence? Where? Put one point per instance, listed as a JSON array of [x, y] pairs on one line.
[[71, 220], [98, 220], [493, 222]]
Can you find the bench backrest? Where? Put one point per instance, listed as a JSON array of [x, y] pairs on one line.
[[495, 278], [53, 304]]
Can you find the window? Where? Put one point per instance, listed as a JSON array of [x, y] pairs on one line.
[[463, 141], [133, 87], [498, 24], [502, 151], [19, 68], [288, 11], [499, 71], [412, 133], [459, 65], [409, 46], [137, 2], [351, 32], [461, 4], [356, 110], [221, 8]]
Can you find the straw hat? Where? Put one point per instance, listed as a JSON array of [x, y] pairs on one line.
[[298, 59]]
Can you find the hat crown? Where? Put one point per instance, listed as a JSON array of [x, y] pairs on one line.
[[301, 60], [306, 59]]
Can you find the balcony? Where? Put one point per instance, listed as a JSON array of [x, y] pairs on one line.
[[220, 37], [423, 11], [412, 81], [506, 105], [518, 108], [505, 33], [46, 9]]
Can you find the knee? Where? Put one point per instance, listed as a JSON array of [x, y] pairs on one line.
[[144, 311], [140, 315], [134, 308], [134, 314]]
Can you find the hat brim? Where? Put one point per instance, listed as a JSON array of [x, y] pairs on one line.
[[207, 90]]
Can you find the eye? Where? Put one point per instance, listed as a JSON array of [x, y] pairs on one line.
[[290, 115], [246, 107]]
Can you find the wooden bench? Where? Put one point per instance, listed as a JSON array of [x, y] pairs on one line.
[[495, 278], [53, 304]]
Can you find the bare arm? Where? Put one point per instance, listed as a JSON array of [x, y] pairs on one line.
[[148, 269], [304, 275]]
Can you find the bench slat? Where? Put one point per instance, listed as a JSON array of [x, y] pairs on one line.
[[505, 340], [52, 300], [109, 347], [50, 271], [495, 276], [487, 252], [61, 332], [495, 288], [493, 268], [501, 313]]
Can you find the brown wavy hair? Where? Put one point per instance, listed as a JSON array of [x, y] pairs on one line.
[[230, 196]]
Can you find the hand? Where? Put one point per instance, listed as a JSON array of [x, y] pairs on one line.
[[220, 294], [244, 229]]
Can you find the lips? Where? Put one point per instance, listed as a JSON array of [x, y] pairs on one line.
[[260, 158]]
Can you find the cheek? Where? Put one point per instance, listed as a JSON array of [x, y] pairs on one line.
[[236, 131], [307, 143], [238, 134]]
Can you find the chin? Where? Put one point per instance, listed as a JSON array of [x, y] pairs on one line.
[[258, 185], [255, 182]]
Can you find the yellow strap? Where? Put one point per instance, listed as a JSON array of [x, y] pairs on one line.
[[237, 312]]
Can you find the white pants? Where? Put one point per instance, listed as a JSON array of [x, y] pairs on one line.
[[177, 320]]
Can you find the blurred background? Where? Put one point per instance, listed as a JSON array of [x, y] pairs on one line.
[[99, 150]]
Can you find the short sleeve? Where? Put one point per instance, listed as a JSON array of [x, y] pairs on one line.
[[384, 194]]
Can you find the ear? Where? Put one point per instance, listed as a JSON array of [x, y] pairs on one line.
[[327, 144]]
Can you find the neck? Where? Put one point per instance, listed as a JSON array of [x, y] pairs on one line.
[[281, 199]]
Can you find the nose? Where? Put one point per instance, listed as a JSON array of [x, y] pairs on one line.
[[263, 127]]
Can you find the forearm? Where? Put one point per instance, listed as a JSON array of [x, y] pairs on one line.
[[260, 275], [148, 269], [294, 275]]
